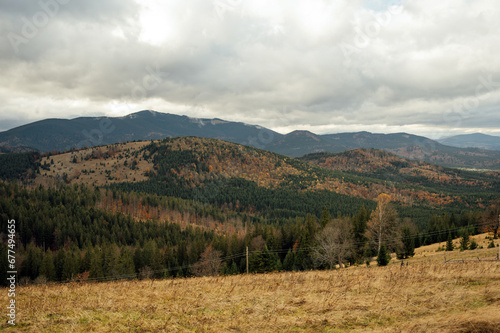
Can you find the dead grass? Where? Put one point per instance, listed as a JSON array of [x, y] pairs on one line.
[[422, 297], [428, 253]]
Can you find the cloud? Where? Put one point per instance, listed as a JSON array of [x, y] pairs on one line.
[[426, 66]]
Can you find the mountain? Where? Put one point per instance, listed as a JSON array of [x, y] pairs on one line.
[[299, 143], [392, 169], [476, 140], [405, 145], [267, 185], [62, 134]]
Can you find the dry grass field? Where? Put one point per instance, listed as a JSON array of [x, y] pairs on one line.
[[421, 297]]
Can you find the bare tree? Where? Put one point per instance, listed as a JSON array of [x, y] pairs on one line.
[[490, 219], [334, 243], [382, 225], [209, 264]]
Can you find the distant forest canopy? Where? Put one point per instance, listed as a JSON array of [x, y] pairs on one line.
[[18, 166], [205, 201], [61, 235]]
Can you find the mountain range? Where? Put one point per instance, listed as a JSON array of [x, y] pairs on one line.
[[62, 135], [475, 140]]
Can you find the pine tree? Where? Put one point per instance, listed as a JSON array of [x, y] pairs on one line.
[[31, 265], [383, 257], [48, 268], [408, 241], [59, 264], [289, 261], [325, 217], [264, 261], [96, 265], [126, 263], [234, 269], [449, 243], [359, 223], [71, 265], [464, 242]]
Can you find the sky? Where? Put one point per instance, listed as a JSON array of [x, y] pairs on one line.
[[424, 67]]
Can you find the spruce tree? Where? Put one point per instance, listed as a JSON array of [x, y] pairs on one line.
[[234, 269], [126, 263], [325, 217], [96, 265], [383, 257], [47, 268], [264, 261], [59, 264], [289, 261], [449, 243], [464, 242], [408, 244]]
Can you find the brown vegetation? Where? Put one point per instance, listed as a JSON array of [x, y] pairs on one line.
[[126, 163], [421, 297], [97, 166]]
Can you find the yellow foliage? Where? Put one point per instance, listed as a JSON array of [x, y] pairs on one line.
[[382, 197]]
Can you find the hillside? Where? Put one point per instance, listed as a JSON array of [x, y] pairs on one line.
[[63, 134], [381, 164], [423, 297], [196, 163], [157, 207], [268, 186], [476, 140]]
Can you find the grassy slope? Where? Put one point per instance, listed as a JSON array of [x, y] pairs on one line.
[[422, 297]]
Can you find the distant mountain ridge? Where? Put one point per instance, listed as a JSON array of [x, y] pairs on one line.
[[299, 143], [475, 140], [63, 134]]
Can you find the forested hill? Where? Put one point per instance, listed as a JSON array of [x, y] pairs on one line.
[[160, 207], [262, 183], [381, 164], [52, 135]]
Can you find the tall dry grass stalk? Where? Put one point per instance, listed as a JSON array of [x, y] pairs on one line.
[[423, 297]]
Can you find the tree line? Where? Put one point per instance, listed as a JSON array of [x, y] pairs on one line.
[[61, 235]]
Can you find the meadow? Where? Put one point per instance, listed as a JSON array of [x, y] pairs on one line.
[[425, 296]]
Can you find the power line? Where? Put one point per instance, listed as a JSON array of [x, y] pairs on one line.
[[391, 241]]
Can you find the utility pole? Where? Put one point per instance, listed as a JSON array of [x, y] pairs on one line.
[[247, 259]]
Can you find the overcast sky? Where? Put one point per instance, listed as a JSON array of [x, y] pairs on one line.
[[422, 66]]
